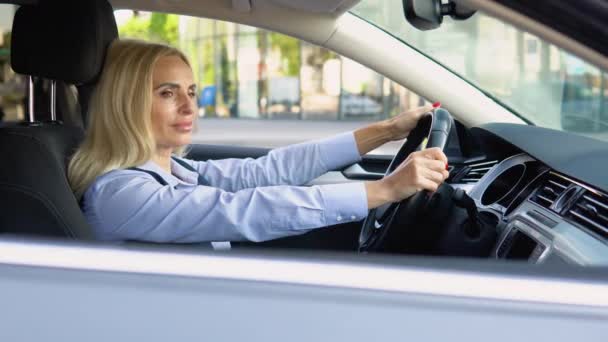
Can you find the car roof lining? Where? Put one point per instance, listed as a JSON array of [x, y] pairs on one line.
[[19, 2], [334, 7]]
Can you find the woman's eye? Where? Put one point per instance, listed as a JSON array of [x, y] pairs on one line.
[[192, 95], [166, 93]]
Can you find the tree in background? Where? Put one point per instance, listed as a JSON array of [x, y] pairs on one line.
[[228, 76], [158, 27], [208, 62], [289, 48], [164, 27], [137, 27]]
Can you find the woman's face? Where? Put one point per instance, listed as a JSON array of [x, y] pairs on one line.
[[173, 103]]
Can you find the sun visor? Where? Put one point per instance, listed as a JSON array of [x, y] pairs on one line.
[[242, 5]]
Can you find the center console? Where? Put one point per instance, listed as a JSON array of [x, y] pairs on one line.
[[522, 242]]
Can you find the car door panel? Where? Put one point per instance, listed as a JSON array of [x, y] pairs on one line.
[[141, 294]]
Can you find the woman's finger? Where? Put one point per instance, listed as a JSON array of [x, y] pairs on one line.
[[434, 176], [427, 184], [435, 165], [435, 153], [418, 112]]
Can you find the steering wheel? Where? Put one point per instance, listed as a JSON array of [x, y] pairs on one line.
[[402, 227]]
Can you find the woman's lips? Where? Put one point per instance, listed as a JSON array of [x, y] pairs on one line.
[[183, 126]]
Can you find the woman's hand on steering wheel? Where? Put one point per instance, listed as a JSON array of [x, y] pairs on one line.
[[402, 124], [399, 221], [421, 170]]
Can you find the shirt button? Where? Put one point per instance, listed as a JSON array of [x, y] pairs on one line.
[[353, 217], [339, 218]]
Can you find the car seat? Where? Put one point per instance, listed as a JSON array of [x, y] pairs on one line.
[[58, 40]]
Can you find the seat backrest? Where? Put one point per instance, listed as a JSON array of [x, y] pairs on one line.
[[35, 197], [62, 40]]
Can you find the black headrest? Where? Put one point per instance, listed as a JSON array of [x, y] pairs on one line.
[[62, 39]]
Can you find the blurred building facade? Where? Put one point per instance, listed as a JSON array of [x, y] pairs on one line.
[[246, 72]]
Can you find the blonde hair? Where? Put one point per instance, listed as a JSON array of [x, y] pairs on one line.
[[119, 134]]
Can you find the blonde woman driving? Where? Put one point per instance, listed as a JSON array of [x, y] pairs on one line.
[[134, 184]]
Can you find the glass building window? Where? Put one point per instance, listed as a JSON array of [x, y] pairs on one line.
[[249, 73]]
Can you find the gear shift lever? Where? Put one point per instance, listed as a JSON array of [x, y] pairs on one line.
[[462, 200]]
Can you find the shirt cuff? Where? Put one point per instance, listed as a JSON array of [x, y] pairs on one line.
[[339, 151], [346, 202]]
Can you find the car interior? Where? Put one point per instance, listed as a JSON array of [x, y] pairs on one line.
[[516, 191]]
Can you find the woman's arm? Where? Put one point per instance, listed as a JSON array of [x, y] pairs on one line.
[[301, 163], [132, 205], [291, 165], [377, 134]]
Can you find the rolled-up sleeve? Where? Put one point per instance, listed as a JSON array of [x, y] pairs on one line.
[[130, 205], [291, 165]]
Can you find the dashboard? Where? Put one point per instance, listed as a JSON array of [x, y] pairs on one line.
[[545, 191], [543, 214]]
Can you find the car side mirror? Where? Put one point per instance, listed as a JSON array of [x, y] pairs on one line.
[[428, 14]]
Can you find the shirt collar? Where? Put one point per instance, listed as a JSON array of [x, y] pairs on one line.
[[179, 174]]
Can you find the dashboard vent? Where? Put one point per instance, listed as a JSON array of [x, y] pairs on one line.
[[476, 171], [591, 211], [551, 188]]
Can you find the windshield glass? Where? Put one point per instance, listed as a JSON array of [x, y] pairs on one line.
[[539, 81]]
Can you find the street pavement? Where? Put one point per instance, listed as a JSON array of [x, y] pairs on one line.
[[282, 132], [274, 133]]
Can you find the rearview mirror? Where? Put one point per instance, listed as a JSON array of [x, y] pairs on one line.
[[428, 14]]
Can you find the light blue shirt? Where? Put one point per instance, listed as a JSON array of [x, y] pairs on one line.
[[247, 199]]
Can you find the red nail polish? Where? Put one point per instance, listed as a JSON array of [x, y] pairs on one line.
[[436, 104], [446, 166]]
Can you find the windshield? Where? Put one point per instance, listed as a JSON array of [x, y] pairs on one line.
[[539, 81]]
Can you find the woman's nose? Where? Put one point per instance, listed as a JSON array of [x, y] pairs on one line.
[[187, 104]]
